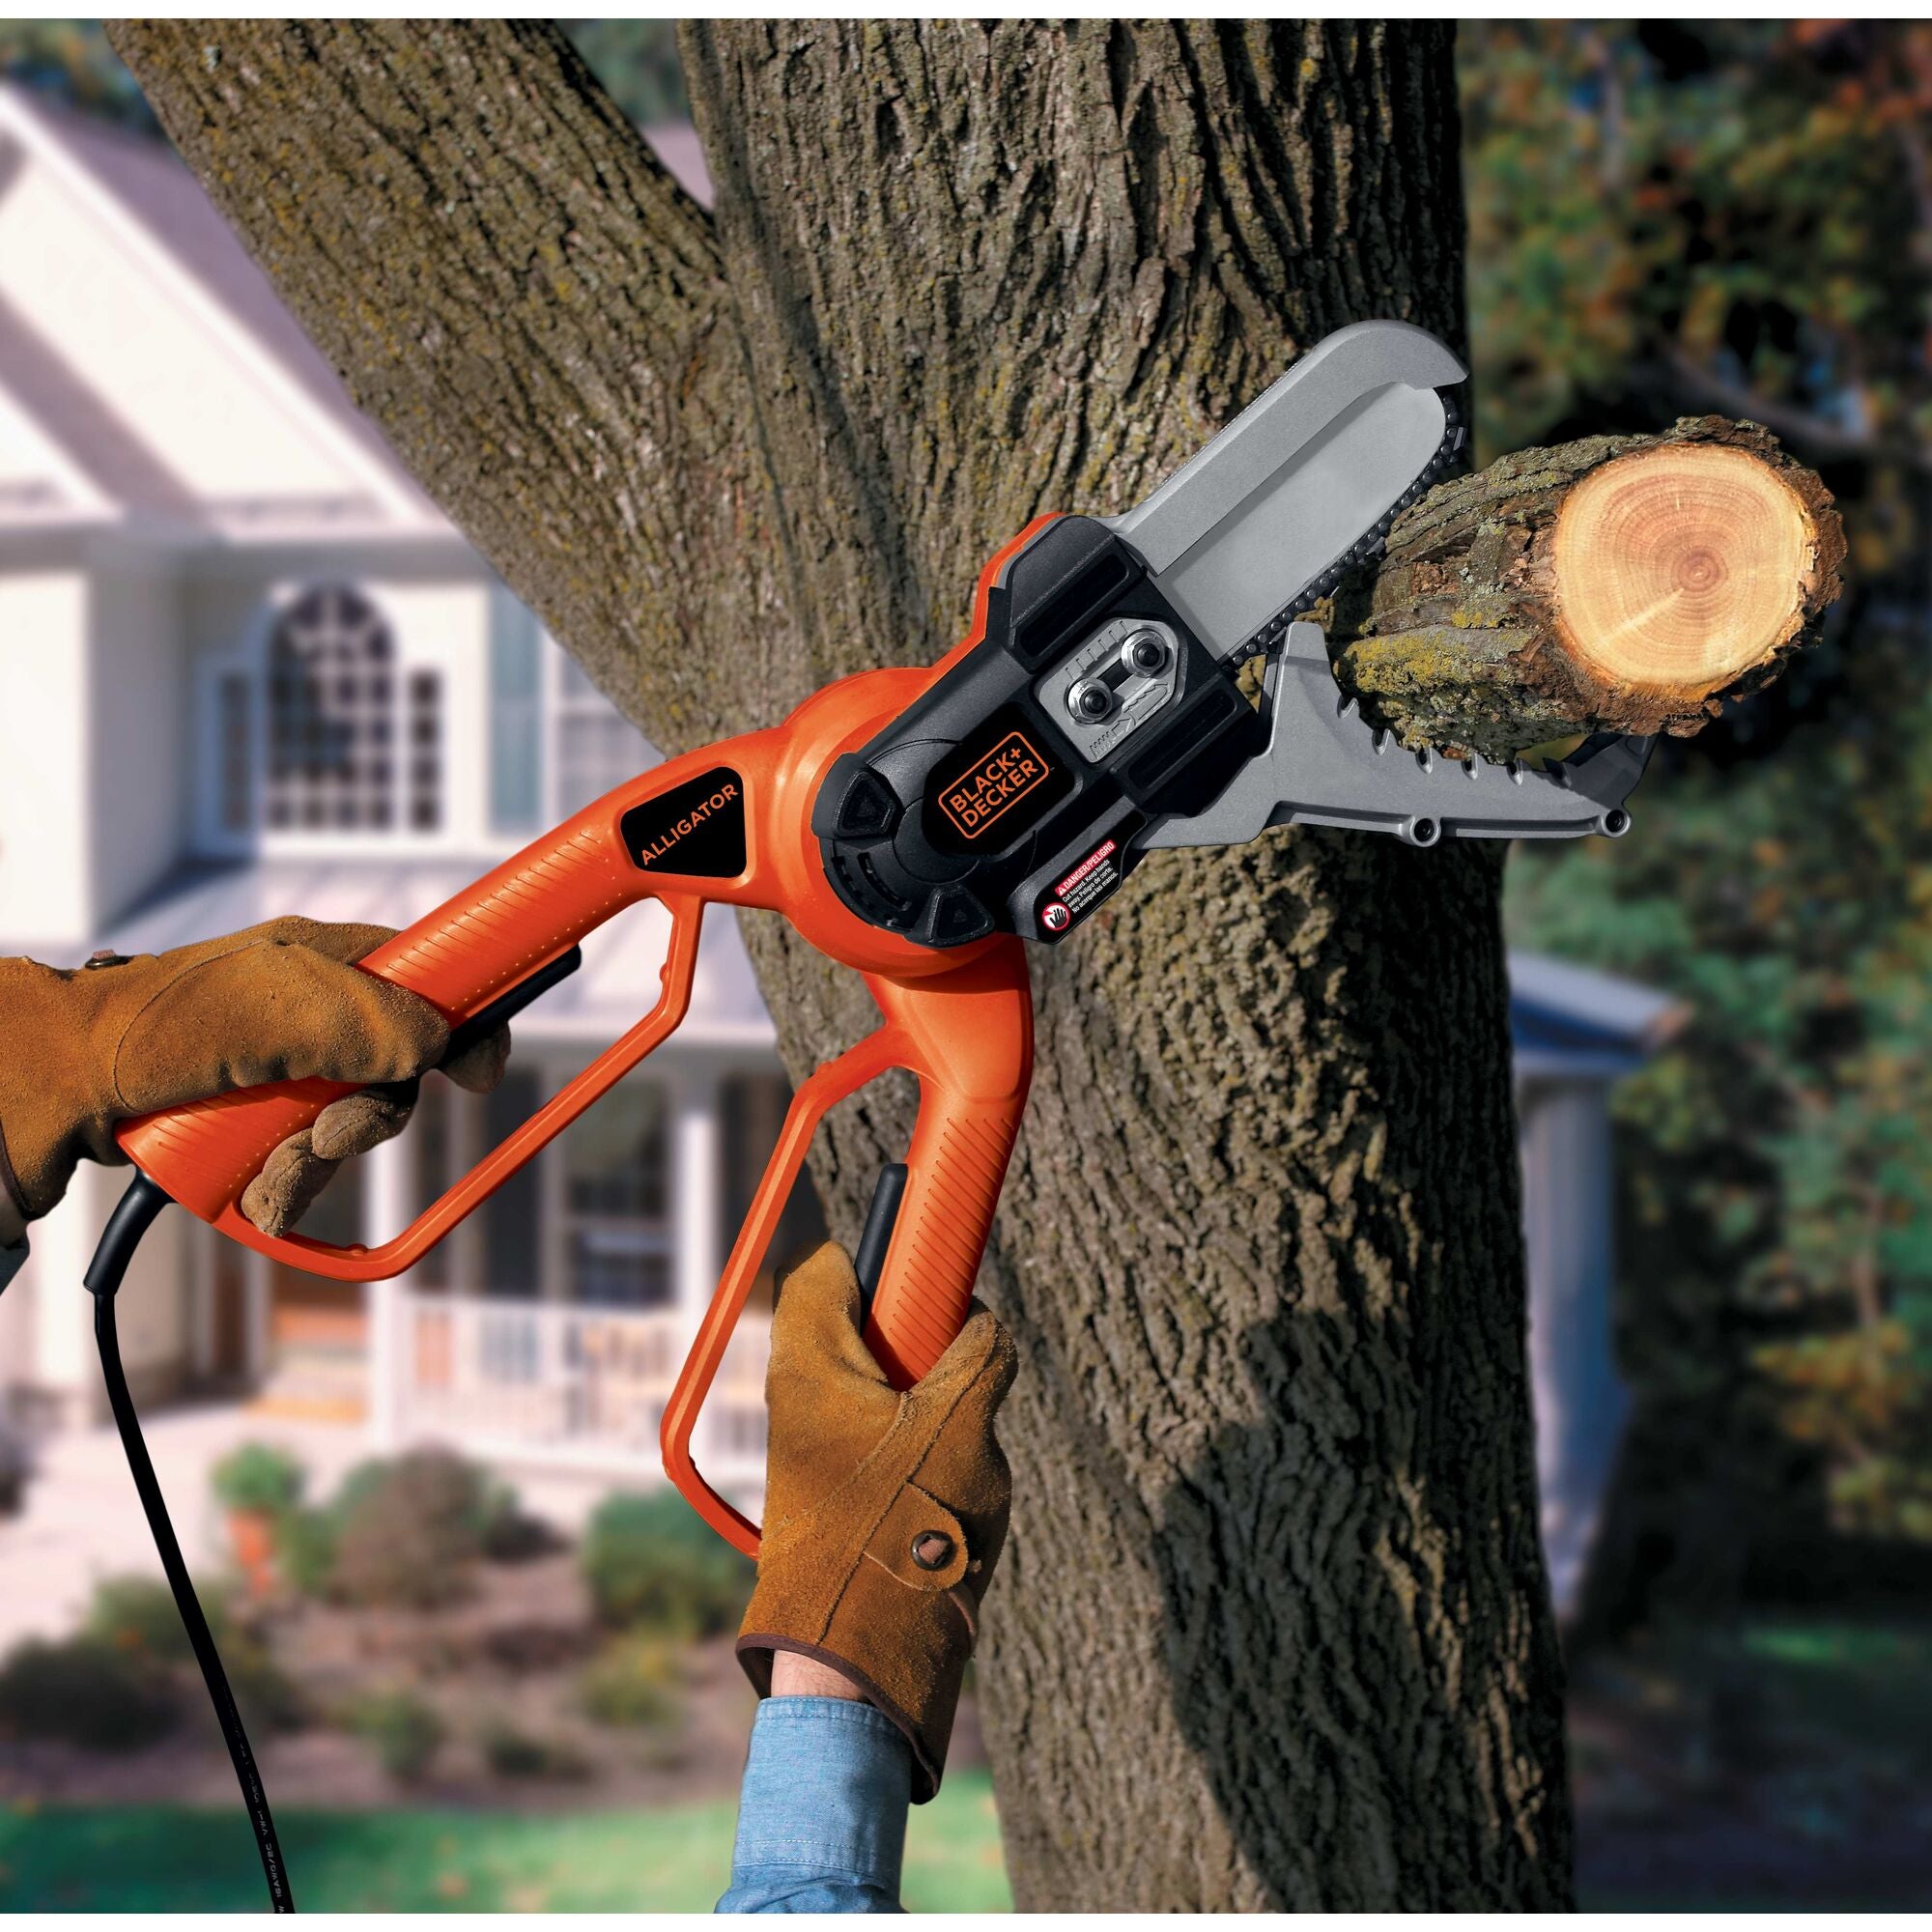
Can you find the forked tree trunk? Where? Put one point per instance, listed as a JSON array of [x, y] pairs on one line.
[[1274, 1628]]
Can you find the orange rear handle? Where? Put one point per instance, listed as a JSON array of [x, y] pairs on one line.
[[967, 1035]]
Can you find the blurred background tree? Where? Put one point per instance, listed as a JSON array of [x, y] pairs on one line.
[[71, 61], [637, 61], [1674, 217], [1678, 218]]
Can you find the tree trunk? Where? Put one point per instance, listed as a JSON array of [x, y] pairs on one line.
[[1619, 583], [1274, 1628]]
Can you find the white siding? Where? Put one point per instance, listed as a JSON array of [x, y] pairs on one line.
[[170, 369], [46, 900], [139, 724]]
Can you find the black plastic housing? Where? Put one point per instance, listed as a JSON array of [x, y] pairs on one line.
[[973, 807]]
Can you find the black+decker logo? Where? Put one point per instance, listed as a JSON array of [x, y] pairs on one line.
[[993, 784]]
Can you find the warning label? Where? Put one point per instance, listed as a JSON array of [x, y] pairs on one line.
[[1083, 888], [1094, 876]]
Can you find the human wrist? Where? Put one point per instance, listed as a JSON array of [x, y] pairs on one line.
[[795, 1675]]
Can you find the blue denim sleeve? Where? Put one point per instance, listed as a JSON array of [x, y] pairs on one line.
[[822, 1810]]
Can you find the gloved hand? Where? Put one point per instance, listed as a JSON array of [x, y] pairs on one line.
[[82, 1051], [884, 1513]]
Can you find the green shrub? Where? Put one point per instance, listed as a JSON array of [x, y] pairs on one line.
[[135, 1617], [364, 1479], [406, 1732], [410, 1532], [513, 1753], [84, 1691], [509, 1534], [634, 1682], [306, 1542], [258, 1476], [270, 1699], [651, 1563]]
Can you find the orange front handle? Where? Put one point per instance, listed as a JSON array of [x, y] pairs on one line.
[[960, 1021], [477, 946]]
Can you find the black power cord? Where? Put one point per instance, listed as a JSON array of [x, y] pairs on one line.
[[133, 1215], [130, 1220]]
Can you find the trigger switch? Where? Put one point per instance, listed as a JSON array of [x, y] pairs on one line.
[[869, 810]]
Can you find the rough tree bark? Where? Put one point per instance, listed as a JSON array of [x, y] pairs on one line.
[[1274, 1629]]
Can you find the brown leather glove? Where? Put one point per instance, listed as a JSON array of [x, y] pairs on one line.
[[82, 1051], [884, 1513]]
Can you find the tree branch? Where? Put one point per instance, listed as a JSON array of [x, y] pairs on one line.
[[1623, 584], [1828, 441]]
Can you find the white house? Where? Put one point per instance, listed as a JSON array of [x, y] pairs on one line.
[[245, 669]]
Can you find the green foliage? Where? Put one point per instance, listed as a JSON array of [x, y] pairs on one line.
[[85, 1691], [637, 61], [1676, 218], [1659, 207], [405, 1731], [1776, 1271], [306, 1542], [410, 1531], [442, 1507], [508, 1534], [136, 1618], [635, 1682], [259, 1477], [511, 1753], [651, 1564]]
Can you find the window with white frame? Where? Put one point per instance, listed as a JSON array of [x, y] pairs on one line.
[[351, 746], [329, 733], [588, 1221], [616, 1212], [594, 747], [556, 743]]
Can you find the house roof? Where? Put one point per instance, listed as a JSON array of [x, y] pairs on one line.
[[146, 180], [161, 421], [1568, 1020], [615, 988], [168, 237]]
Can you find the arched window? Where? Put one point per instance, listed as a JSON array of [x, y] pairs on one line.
[[354, 745]]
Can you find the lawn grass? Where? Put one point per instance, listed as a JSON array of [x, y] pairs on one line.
[[1857, 1696], [157, 1858]]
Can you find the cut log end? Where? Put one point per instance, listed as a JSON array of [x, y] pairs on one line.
[[1623, 584], [1679, 568]]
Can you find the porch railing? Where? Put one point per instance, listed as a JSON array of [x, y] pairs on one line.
[[560, 1382]]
